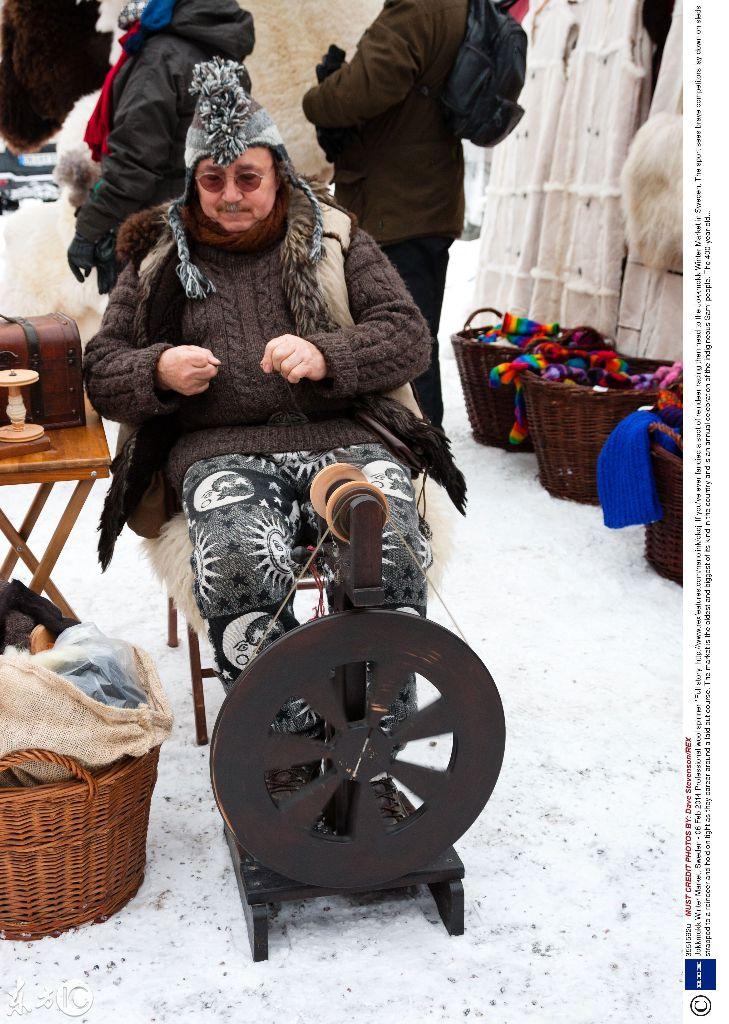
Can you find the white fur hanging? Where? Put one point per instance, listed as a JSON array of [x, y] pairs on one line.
[[652, 184]]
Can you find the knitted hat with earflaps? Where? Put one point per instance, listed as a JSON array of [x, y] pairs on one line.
[[227, 122]]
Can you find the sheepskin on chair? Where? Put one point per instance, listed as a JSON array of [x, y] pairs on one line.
[[170, 555], [652, 189]]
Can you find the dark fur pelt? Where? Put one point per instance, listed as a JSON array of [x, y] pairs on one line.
[[138, 233], [21, 610], [51, 56], [429, 445], [144, 454]]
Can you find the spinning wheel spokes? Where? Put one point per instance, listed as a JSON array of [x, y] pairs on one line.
[[426, 783], [365, 819], [304, 808], [385, 683], [433, 720], [285, 750], [323, 698]]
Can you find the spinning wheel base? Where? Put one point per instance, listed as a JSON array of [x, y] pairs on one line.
[[259, 886]]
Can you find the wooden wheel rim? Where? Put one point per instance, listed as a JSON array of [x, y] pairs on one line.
[[395, 644]]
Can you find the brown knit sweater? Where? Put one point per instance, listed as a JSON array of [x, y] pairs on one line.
[[245, 410]]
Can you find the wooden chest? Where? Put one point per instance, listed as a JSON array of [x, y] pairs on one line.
[[51, 346]]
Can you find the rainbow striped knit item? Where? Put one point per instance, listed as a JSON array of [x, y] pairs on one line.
[[577, 362], [518, 330]]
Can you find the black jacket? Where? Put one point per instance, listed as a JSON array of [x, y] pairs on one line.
[[152, 110]]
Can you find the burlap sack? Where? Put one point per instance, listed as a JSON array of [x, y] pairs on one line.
[[40, 709]]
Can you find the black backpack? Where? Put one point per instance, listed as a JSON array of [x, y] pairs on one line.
[[488, 75]]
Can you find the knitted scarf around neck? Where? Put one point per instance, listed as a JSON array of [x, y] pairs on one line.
[[262, 235]]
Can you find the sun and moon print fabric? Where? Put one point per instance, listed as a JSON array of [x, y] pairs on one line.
[[246, 513]]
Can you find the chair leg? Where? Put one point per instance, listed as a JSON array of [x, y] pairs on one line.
[[172, 637], [198, 693]]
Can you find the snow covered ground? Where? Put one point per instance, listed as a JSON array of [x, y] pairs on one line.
[[573, 869]]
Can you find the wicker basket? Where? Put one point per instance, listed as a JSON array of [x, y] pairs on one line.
[[569, 424], [490, 410], [72, 852], [664, 539]]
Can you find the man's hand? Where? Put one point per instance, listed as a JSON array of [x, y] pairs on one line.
[[294, 358], [186, 369]]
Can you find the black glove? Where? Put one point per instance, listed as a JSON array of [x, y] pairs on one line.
[[330, 62], [83, 256], [331, 140], [107, 270]]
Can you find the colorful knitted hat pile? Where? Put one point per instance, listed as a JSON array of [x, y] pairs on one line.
[[669, 407], [578, 358], [517, 331]]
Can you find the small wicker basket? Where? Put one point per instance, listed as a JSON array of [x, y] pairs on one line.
[[569, 424], [490, 410], [72, 852], [664, 539]]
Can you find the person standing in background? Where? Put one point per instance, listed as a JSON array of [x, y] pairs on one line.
[[137, 131], [398, 168]]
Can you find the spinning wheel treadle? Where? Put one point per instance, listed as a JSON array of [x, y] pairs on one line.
[[366, 848]]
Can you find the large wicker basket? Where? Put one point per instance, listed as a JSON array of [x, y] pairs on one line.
[[490, 410], [72, 852], [569, 424], [664, 539]]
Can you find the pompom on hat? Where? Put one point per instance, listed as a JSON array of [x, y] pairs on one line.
[[227, 122]]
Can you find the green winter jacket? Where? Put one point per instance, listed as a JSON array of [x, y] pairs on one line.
[[402, 173], [152, 110]]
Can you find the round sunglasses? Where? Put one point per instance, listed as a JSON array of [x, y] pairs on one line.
[[245, 181]]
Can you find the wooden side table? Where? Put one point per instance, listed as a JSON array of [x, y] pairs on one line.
[[76, 453]]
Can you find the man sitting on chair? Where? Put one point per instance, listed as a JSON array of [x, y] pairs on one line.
[[222, 344]]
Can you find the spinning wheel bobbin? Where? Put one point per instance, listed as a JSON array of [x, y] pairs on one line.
[[18, 430], [332, 491]]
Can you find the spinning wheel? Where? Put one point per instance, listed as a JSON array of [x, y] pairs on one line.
[[333, 831], [304, 663]]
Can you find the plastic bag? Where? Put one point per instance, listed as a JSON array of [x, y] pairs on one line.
[[104, 668]]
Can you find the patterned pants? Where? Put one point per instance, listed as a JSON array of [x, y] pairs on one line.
[[246, 513]]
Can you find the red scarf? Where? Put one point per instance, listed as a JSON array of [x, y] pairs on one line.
[[99, 126]]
